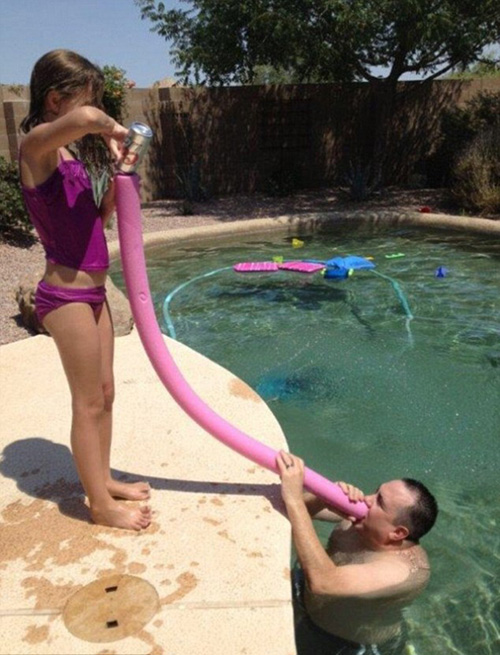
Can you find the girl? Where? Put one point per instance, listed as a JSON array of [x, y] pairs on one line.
[[66, 92]]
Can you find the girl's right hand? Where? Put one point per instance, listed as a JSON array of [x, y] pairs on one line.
[[115, 139]]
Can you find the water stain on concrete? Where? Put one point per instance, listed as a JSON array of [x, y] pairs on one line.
[[187, 581], [46, 537], [240, 389], [36, 634]]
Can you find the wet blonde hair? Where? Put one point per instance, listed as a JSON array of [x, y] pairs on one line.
[[66, 72]]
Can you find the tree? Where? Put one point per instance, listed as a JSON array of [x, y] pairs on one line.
[[226, 41], [487, 67], [222, 41]]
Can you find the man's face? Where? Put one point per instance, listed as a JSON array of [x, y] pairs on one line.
[[385, 506]]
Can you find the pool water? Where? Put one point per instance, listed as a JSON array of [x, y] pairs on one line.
[[371, 381]]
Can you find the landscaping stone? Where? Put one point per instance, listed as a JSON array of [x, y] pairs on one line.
[[118, 303]]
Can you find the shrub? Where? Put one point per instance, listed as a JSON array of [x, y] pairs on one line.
[[362, 181], [476, 176], [115, 92], [191, 188], [459, 127], [14, 220]]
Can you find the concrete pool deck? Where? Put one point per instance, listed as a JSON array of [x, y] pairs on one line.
[[214, 564], [217, 554]]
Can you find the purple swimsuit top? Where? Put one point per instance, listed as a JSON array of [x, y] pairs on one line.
[[66, 218]]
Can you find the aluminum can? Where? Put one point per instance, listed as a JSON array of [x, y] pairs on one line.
[[134, 147]]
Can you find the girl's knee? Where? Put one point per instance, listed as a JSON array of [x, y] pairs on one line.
[[108, 391], [90, 407]]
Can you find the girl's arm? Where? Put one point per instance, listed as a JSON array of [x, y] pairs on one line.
[[45, 139], [107, 206]]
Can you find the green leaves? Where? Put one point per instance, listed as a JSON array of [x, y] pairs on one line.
[[14, 220], [225, 41], [115, 92]]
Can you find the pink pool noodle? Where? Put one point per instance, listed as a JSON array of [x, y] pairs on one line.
[[134, 269]]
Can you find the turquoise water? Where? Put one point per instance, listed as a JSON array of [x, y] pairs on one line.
[[366, 394]]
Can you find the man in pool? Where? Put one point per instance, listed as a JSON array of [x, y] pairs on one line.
[[352, 595]]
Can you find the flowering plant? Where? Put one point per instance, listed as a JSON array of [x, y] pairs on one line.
[[116, 86]]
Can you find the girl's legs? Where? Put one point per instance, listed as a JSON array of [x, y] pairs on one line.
[[78, 339], [118, 489]]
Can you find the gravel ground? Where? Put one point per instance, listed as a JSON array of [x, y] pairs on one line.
[[21, 262]]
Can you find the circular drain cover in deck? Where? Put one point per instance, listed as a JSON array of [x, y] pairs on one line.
[[110, 609]]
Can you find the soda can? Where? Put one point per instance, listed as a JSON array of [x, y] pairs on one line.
[[134, 147]]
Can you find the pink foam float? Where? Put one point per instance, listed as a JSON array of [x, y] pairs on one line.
[[261, 267], [301, 267], [255, 267], [128, 210]]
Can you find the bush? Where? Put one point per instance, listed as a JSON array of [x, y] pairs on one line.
[[476, 176], [115, 92], [14, 220], [459, 127], [362, 181]]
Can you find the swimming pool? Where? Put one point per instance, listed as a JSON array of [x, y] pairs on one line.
[[365, 394]]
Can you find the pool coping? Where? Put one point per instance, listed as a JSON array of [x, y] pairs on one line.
[[314, 221]]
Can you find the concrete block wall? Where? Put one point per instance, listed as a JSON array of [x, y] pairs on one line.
[[238, 138], [13, 107]]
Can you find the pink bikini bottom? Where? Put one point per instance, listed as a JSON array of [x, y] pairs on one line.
[[48, 298]]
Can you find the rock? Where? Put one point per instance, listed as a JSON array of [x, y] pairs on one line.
[[121, 313], [118, 304], [25, 298]]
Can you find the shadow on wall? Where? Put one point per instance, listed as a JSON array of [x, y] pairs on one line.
[[279, 139]]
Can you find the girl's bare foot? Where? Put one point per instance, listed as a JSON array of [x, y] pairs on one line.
[[116, 515], [128, 490]]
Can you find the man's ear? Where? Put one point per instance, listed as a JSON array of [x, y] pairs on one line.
[[400, 533]]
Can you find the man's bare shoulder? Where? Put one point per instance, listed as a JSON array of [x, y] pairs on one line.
[[416, 558]]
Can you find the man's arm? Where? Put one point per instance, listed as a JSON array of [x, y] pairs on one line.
[[322, 574]]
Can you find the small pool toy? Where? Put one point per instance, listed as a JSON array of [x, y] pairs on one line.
[[336, 273], [425, 210], [441, 271], [128, 210], [351, 261], [297, 243]]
